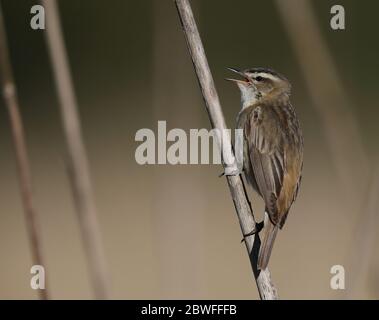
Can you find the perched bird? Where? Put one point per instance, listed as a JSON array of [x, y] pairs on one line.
[[273, 147]]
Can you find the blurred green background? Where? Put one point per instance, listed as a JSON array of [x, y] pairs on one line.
[[171, 231]]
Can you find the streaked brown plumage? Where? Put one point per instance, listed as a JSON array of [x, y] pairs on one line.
[[273, 147]]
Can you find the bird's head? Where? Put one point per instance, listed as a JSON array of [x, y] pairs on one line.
[[260, 83]]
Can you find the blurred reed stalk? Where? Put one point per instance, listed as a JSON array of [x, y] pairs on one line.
[[327, 92], [342, 132], [22, 161], [172, 221], [267, 290], [77, 158], [363, 247]]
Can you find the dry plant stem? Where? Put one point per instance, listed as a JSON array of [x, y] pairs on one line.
[[266, 289], [327, 92], [77, 159], [341, 129], [363, 247], [175, 265], [11, 101]]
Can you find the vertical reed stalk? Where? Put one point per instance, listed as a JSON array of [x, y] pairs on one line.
[[22, 161], [77, 158]]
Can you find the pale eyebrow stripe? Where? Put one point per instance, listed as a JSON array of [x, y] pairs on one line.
[[266, 75]]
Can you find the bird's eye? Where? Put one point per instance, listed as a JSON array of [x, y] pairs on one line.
[[259, 78]]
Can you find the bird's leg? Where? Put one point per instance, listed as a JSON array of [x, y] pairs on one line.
[[257, 228]]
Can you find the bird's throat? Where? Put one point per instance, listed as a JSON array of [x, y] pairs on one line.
[[250, 99]]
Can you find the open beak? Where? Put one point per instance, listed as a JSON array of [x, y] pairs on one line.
[[245, 80]]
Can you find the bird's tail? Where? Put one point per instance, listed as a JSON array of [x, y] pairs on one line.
[[270, 231]]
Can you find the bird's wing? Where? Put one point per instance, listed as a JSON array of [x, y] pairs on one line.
[[267, 156]]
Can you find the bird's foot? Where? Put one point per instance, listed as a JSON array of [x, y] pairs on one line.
[[257, 228], [231, 171]]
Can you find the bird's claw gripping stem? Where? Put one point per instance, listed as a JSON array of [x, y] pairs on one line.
[[231, 171], [257, 228]]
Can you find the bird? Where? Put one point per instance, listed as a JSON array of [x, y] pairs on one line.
[[273, 148]]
